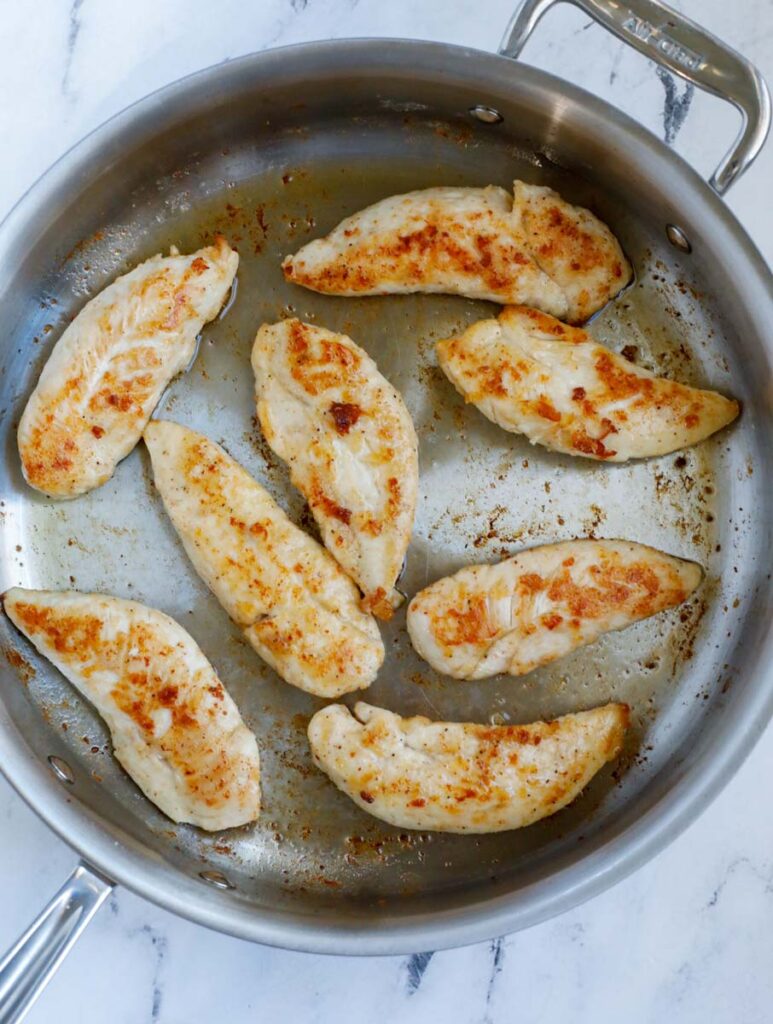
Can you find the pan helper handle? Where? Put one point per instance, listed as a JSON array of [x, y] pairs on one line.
[[29, 965], [683, 47]]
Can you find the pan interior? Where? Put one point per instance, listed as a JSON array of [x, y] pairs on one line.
[[484, 494]]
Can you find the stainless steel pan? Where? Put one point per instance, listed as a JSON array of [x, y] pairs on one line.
[[272, 150]]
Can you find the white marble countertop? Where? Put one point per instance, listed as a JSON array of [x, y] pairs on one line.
[[688, 938]]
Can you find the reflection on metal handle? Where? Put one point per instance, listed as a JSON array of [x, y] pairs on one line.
[[27, 968], [685, 48]]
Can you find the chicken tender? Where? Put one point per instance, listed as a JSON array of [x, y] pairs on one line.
[[109, 369], [297, 607], [174, 727], [533, 375], [458, 776], [541, 604], [350, 445], [531, 248]]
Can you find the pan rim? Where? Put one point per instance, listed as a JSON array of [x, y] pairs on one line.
[[604, 863]]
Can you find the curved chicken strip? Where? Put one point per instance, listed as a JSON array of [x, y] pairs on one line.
[[298, 609], [543, 603], [533, 375], [532, 248], [350, 444], [458, 776], [109, 369], [174, 727]]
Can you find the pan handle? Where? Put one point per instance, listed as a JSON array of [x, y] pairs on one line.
[[29, 965], [677, 43]]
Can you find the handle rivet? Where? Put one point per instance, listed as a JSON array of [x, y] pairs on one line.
[[61, 769], [216, 879], [678, 238], [488, 115]]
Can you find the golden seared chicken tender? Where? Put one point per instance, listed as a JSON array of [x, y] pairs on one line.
[[458, 776], [532, 248], [541, 604], [109, 369], [297, 607], [174, 727], [350, 444], [533, 375]]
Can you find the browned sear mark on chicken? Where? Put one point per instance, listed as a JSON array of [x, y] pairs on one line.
[[345, 415], [468, 624], [316, 373]]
